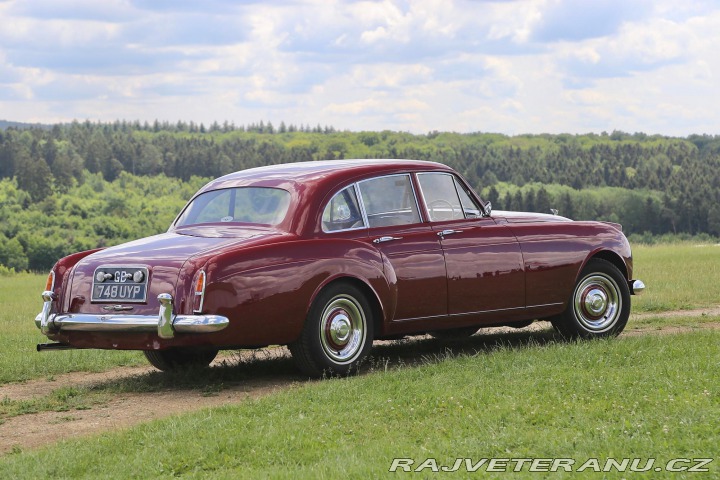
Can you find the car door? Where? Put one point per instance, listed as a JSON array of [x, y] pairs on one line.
[[484, 263], [412, 247]]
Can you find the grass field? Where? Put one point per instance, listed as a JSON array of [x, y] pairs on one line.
[[636, 397], [507, 396], [678, 276], [19, 304]]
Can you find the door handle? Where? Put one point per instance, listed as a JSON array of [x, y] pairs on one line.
[[447, 232], [386, 239]]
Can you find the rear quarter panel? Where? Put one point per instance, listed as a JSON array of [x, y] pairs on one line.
[[266, 292], [63, 270]]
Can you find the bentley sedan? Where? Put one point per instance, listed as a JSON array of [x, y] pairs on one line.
[[326, 257]]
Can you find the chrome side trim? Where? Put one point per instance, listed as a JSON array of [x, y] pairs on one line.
[[478, 312], [637, 287]]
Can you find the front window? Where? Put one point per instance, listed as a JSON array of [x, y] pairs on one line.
[[237, 205], [445, 198]]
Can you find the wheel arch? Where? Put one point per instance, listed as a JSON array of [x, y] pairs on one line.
[[612, 257]]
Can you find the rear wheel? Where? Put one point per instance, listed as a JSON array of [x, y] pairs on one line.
[[174, 359], [337, 334], [599, 305]]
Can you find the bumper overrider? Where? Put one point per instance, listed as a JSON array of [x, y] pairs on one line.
[[637, 287], [165, 324]]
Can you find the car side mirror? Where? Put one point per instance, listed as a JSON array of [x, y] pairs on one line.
[[487, 209]]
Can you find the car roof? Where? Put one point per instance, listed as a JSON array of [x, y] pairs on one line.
[[329, 172], [310, 183]]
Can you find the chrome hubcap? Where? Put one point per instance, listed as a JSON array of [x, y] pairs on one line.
[[342, 329], [597, 302]]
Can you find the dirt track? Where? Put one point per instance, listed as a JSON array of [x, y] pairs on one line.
[[227, 386]]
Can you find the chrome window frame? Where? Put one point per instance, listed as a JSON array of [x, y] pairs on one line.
[[479, 207], [360, 206], [455, 185], [361, 203]]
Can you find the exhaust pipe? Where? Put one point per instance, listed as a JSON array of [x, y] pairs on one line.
[[53, 346]]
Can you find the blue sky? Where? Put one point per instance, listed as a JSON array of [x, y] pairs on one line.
[[526, 66]]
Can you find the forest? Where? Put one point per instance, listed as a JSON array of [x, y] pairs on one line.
[[76, 186]]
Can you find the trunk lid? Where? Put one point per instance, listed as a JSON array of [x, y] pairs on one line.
[[160, 258]]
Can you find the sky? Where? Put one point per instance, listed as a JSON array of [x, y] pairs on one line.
[[513, 67]]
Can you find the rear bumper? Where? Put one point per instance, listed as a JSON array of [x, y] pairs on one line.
[[165, 324]]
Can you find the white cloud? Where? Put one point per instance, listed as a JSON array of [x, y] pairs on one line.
[[510, 66]]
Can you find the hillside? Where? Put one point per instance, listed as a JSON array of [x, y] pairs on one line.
[[106, 183]]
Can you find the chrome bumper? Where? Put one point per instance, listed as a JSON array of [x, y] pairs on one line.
[[636, 287], [165, 324]]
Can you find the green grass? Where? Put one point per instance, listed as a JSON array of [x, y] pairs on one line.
[[19, 304], [232, 371], [646, 397], [678, 276], [653, 321], [58, 400]]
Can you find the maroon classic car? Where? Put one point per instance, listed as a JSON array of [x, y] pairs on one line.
[[327, 256]]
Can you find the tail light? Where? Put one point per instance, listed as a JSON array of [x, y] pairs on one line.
[[199, 292], [50, 282]]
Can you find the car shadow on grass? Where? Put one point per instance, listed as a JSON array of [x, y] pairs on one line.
[[274, 366]]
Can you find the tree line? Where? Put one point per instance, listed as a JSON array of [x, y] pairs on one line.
[[653, 185]]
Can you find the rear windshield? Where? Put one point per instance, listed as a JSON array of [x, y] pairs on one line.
[[262, 205]]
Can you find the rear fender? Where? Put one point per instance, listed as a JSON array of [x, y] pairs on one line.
[[63, 272], [284, 280]]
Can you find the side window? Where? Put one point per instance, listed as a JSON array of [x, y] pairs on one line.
[[389, 201], [441, 196], [471, 209], [342, 212]]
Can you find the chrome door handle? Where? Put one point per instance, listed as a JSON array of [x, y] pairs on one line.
[[386, 239], [448, 232]]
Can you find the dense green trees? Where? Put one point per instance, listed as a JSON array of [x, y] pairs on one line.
[[81, 185], [95, 213]]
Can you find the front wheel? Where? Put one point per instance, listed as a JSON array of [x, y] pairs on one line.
[[599, 305], [174, 359], [338, 332]]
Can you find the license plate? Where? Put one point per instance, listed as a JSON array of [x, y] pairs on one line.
[[120, 284]]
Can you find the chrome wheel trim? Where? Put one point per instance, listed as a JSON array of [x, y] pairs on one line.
[[342, 329], [597, 302]]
